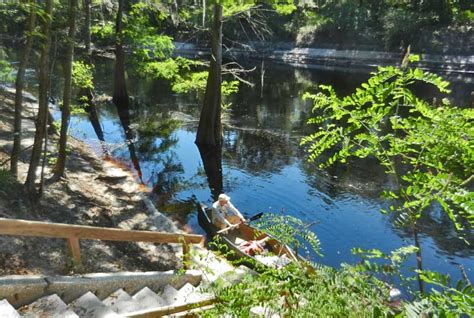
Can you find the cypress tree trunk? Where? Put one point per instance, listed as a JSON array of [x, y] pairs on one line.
[[87, 31], [65, 111], [91, 108], [120, 96], [19, 84], [210, 127], [42, 117]]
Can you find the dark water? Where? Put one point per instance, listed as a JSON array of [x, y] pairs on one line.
[[264, 168]]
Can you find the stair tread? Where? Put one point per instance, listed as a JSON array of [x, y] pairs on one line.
[[48, 306], [121, 302], [88, 305], [148, 299], [7, 310], [186, 294]]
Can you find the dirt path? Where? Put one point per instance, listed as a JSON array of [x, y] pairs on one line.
[[95, 192]]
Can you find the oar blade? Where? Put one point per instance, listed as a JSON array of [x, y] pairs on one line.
[[256, 217]]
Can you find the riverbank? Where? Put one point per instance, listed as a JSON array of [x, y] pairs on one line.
[[96, 192], [337, 59]]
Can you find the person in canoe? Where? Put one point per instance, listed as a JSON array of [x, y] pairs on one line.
[[224, 213]]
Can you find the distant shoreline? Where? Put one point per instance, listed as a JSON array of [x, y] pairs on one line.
[[314, 58]]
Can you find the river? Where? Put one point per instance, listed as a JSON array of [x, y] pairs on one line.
[[264, 168]]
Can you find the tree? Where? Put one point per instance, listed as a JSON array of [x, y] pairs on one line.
[[209, 131], [19, 84], [426, 149], [87, 26], [42, 117], [120, 95], [65, 110]]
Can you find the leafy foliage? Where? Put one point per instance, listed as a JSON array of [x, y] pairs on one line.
[[82, 75], [146, 41], [359, 290], [387, 267], [290, 292], [6, 72], [290, 231], [449, 301], [427, 149], [295, 291], [104, 31]]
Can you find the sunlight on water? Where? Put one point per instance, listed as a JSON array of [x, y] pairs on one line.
[[264, 169]]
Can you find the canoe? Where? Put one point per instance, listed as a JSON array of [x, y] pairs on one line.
[[275, 254]]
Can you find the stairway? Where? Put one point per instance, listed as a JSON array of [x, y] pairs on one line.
[[118, 304]]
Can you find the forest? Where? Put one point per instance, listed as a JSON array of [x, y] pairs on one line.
[[347, 126]]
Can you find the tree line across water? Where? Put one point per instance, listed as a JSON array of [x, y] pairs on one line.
[[425, 146]]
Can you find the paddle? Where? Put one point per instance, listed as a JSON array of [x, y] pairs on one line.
[[250, 219], [255, 217]]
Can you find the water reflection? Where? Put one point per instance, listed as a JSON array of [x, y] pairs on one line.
[[212, 160], [257, 151], [123, 110], [262, 167]]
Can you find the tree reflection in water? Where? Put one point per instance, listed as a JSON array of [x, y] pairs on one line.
[[212, 160], [257, 151], [123, 109], [261, 147]]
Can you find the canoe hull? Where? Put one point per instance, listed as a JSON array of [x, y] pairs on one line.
[[233, 238]]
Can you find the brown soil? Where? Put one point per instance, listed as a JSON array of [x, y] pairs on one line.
[[95, 192]]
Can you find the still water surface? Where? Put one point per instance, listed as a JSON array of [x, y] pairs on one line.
[[264, 169]]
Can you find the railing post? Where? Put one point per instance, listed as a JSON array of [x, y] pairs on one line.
[[185, 254], [74, 249]]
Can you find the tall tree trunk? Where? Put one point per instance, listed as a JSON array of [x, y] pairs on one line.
[[120, 96], [87, 31], [91, 108], [19, 84], [203, 13], [210, 127], [42, 118], [65, 111]]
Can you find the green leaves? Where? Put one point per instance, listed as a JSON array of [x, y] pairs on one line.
[[386, 120], [82, 75], [290, 231], [6, 72], [292, 292], [448, 300]]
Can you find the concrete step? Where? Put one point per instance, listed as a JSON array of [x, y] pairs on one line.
[[189, 294], [170, 295], [48, 306], [148, 299], [186, 294], [89, 306], [121, 302], [7, 310]]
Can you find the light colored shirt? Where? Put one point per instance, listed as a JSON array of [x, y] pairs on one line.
[[220, 212]]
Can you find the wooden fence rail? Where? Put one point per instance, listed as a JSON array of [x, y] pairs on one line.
[[74, 233]]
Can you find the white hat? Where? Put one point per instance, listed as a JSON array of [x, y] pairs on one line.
[[223, 197]]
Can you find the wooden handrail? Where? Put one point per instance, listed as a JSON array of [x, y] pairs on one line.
[[73, 233], [61, 230]]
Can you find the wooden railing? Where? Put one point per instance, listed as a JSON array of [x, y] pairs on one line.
[[74, 233]]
